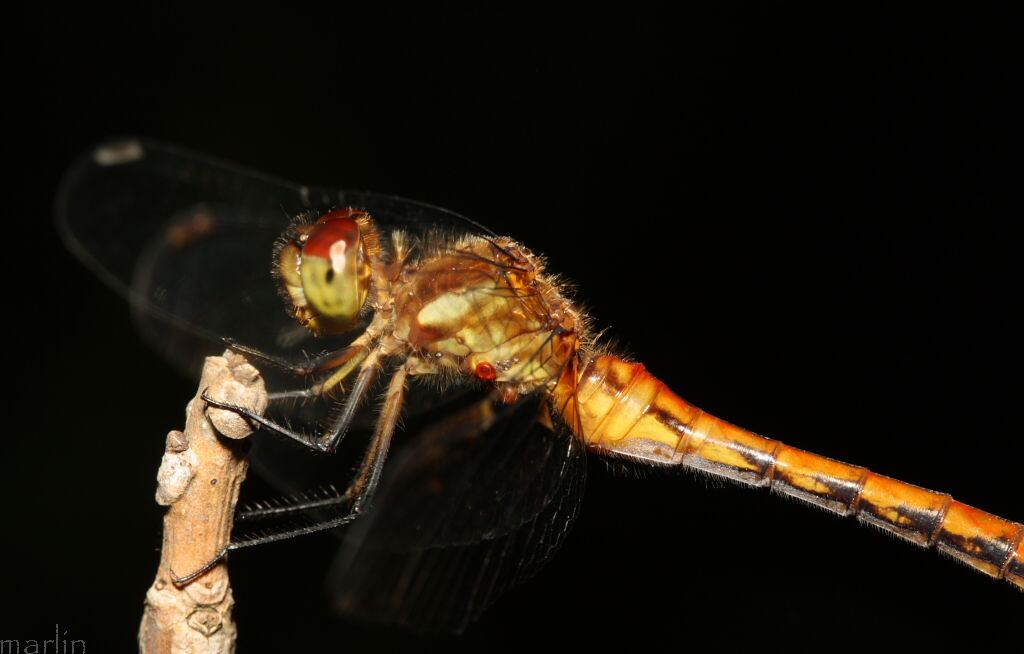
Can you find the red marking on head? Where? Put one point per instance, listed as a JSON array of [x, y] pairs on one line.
[[338, 225], [486, 371]]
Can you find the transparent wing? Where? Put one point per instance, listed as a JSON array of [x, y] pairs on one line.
[[188, 240], [473, 508], [464, 514]]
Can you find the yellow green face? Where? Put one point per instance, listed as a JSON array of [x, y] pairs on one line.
[[334, 270]]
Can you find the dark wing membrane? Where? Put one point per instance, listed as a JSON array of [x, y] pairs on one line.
[[463, 515], [188, 240]]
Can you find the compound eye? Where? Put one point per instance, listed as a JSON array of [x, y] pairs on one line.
[[335, 273]]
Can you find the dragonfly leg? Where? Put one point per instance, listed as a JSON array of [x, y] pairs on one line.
[[466, 423], [325, 361], [329, 441], [181, 581], [349, 360], [323, 498], [361, 489]]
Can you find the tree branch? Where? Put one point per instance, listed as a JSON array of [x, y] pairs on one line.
[[199, 479]]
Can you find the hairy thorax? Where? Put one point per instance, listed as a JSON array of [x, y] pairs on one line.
[[486, 308]]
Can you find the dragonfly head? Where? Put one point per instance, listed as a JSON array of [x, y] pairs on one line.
[[325, 270]]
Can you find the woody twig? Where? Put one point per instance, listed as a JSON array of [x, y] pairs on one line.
[[199, 479]]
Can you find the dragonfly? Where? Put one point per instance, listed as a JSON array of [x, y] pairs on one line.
[[425, 302]]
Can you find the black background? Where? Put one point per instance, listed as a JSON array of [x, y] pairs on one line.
[[805, 221]]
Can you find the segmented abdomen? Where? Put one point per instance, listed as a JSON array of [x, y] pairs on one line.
[[620, 409]]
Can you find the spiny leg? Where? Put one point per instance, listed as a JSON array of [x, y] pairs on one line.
[[324, 361], [320, 363], [339, 426], [322, 498], [348, 360], [464, 424], [359, 491]]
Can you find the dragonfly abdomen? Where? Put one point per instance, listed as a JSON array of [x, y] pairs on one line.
[[620, 409]]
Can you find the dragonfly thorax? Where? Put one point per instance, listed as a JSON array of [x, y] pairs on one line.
[[486, 307]]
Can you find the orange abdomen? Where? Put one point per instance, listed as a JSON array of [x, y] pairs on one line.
[[619, 409]]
